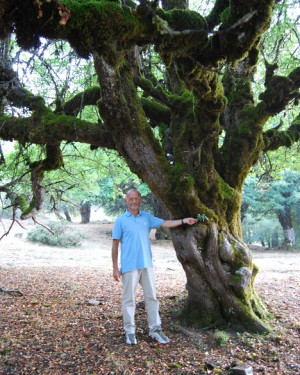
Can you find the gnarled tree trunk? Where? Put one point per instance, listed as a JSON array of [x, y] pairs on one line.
[[220, 277]]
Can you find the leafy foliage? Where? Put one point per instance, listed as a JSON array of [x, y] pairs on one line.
[[112, 191]]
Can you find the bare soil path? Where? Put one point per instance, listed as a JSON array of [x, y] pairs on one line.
[[95, 252]]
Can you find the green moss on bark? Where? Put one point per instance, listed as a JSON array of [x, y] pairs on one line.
[[157, 112], [180, 20], [101, 26], [93, 26], [51, 119], [22, 202], [184, 19], [192, 317]]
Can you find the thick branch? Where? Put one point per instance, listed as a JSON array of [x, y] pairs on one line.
[[42, 127], [87, 97], [156, 92], [242, 24], [12, 90], [156, 112], [274, 139], [280, 91], [50, 128], [88, 26], [243, 123], [52, 161], [214, 18], [20, 97]]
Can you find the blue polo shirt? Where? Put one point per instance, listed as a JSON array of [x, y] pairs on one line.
[[133, 233]]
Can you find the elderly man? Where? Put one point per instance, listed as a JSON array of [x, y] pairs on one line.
[[132, 230]]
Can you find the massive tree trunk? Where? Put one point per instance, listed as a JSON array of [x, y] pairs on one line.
[[158, 211], [220, 276], [218, 265]]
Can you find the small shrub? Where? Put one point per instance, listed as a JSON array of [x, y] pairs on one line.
[[63, 236], [221, 337]]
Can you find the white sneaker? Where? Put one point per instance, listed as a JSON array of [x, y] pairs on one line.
[[130, 339], [159, 336]]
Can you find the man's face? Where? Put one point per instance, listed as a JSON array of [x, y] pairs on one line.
[[133, 201]]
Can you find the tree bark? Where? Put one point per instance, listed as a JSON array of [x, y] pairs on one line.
[[161, 233], [285, 219], [220, 280], [67, 215], [175, 4], [275, 241]]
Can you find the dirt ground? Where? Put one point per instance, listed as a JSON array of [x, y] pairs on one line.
[[53, 329], [95, 252]]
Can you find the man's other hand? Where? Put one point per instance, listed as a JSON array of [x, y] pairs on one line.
[[116, 274]]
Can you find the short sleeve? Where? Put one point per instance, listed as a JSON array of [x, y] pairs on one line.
[[155, 222], [117, 230]]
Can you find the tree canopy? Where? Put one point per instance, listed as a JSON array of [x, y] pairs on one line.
[[192, 133]]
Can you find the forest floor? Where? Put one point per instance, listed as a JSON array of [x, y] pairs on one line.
[[54, 329]]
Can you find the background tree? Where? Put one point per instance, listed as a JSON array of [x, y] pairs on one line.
[[214, 126], [278, 198], [265, 231]]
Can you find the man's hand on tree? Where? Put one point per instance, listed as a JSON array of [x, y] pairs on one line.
[[189, 221]]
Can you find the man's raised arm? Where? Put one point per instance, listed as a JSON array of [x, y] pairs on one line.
[[177, 223]]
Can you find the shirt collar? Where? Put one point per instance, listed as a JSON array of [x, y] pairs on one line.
[[127, 213]]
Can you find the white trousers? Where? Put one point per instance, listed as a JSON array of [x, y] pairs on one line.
[[130, 281]]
